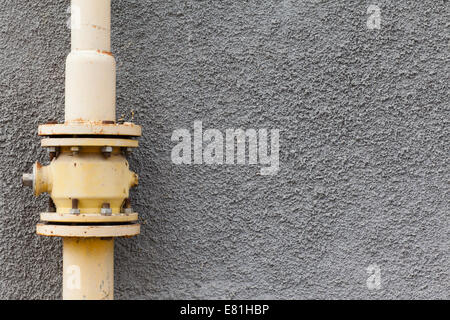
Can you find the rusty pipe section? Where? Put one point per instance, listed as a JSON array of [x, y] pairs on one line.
[[88, 178], [90, 66]]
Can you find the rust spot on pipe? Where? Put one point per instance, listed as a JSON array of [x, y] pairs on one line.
[[79, 120], [105, 52], [99, 27], [108, 122]]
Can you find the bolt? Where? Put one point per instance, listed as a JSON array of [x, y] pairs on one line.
[[75, 209], [106, 210], [75, 150], [127, 206], [27, 179], [107, 151], [127, 151], [52, 153], [51, 205]]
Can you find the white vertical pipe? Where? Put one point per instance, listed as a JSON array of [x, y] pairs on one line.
[[90, 66], [91, 25]]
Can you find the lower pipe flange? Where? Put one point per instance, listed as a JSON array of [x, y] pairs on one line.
[[88, 217]]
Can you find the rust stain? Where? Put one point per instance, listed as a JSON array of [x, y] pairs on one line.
[[77, 120], [108, 53], [105, 52], [99, 27]]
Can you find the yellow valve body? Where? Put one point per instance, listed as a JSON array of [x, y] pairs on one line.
[[89, 177]]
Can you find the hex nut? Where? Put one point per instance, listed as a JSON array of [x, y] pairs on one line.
[[74, 211], [107, 151], [106, 211], [75, 150]]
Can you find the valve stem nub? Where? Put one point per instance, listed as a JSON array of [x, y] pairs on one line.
[[27, 179]]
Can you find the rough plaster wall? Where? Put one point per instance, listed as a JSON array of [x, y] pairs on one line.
[[363, 114]]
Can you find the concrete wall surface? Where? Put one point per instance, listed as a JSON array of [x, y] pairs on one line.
[[360, 205]]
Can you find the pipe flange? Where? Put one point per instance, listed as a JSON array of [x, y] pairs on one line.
[[89, 142], [88, 217], [87, 231], [91, 128]]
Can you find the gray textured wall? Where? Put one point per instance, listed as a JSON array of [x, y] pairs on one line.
[[364, 118]]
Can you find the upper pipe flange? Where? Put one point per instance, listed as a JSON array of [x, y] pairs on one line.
[[90, 128], [88, 231]]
